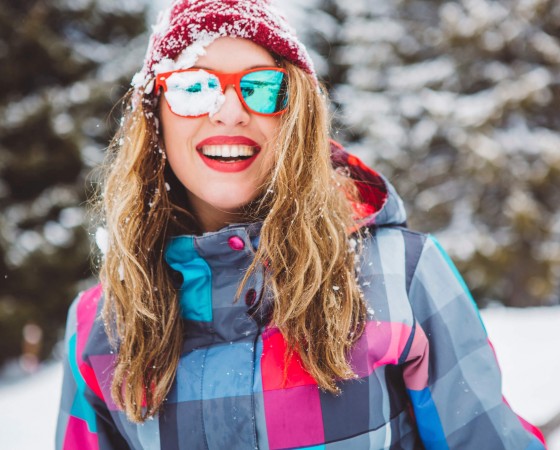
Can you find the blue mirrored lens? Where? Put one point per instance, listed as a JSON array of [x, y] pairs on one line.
[[265, 91]]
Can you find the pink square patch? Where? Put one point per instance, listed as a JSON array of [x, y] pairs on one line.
[[294, 417]]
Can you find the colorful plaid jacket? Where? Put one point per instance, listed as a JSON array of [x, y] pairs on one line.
[[428, 377]]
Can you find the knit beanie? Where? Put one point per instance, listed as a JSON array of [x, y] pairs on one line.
[[187, 27]]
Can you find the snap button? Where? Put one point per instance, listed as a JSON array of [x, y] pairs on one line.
[[250, 297], [236, 243]]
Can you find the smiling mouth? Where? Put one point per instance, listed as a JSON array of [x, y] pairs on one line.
[[229, 153]]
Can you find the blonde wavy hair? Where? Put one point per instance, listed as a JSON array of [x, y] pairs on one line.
[[305, 207]]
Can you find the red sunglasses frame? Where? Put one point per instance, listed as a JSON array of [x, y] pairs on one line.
[[225, 79]]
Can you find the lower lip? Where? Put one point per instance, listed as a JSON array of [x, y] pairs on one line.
[[228, 167]]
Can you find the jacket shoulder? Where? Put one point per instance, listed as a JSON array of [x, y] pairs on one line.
[[397, 250], [389, 259]]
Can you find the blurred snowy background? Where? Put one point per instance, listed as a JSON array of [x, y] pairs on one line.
[[456, 101]]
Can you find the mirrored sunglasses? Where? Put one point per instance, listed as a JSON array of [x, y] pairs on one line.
[[197, 92]]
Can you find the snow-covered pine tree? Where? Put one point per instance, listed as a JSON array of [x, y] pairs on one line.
[[457, 102], [62, 70]]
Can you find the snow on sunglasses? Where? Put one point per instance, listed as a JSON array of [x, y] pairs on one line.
[[197, 92]]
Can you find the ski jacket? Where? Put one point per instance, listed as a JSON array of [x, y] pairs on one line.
[[427, 375]]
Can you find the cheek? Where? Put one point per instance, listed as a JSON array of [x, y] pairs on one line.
[[270, 129], [176, 128], [271, 126], [177, 132]]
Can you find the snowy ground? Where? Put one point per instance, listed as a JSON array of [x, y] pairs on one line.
[[526, 342]]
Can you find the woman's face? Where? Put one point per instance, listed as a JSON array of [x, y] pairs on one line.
[[216, 189]]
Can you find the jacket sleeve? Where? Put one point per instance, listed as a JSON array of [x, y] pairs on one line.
[[84, 421], [451, 373]]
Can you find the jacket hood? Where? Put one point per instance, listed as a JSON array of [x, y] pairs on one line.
[[379, 202]]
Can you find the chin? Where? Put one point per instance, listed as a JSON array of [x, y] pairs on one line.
[[230, 205]]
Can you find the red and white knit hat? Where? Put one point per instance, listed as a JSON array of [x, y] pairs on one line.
[[184, 30]]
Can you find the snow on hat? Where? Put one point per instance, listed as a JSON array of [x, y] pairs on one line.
[[184, 30]]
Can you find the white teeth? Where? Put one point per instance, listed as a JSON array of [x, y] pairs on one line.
[[228, 151]]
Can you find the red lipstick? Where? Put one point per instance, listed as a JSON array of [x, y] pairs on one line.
[[233, 165]]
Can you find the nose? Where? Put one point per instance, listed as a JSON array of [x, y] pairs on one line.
[[232, 112]]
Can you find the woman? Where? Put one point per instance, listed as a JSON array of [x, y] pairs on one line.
[[259, 289]]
